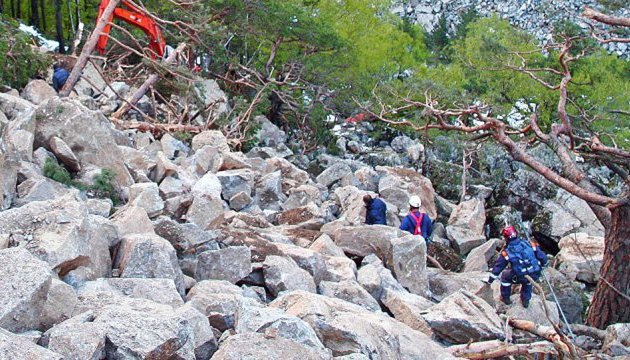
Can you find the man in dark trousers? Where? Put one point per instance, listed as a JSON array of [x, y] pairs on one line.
[[60, 76], [416, 222], [524, 258], [375, 211]]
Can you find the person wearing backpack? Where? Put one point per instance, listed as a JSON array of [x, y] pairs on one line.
[[416, 222], [524, 258], [375, 211]]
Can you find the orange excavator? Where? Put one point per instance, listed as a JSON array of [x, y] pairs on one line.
[[135, 16]]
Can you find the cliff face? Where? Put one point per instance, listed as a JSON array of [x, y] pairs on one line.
[[534, 16]]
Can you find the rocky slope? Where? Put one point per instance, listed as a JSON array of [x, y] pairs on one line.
[[225, 255]]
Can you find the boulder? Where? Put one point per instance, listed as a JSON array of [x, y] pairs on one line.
[[309, 260], [164, 168], [172, 147], [130, 220], [397, 185], [211, 138], [350, 291], [209, 185], [24, 286], [469, 215], [186, 238], [375, 278], [326, 246], [269, 195], [205, 341], [94, 295], [409, 263], [535, 312], [231, 264], [445, 283], [463, 240], [408, 309], [479, 257], [300, 215], [209, 159], [240, 201], [91, 136], [77, 338], [581, 256], [334, 173], [218, 300], [206, 212], [617, 340], [269, 134], [149, 256], [302, 195], [100, 207], [284, 274], [339, 268], [60, 303], [463, 317], [347, 328], [262, 346], [570, 294], [38, 91], [13, 346], [64, 154], [213, 99], [146, 196], [367, 239], [235, 181]]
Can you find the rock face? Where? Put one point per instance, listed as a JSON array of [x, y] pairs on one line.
[[24, 286], [230, 264], [581, 257], [346, 329], [463, 317]]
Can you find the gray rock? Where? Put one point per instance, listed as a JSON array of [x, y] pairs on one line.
[[375, 278], [149, 256], [38, 91], [535, 312], [261, 346], [396, 185], [269, 195], [94, 295], [350, 291], [409, 263], [301, 196], [172, 147], [445, 283], [13, 346], [77, 338], [186, 238], [60, 302], [284, 274], [91, 135], [334, 173], [478, 258], [462, 317], [346, 328], [212, 97], [581, 256], [231, 264], [235, 181], [240, 201], [164, 168], [269, 134], [463, 240], [617, 340], [147, 196], [63, 152], [100, 207], [309, 260], [218, 300], [212, 138], [131, 220], [23, 289], [408, 309], [325, 246], [339, 268], [469, 215], [367, 239], [171, 187], [570, 294], [205, 212], [205, 341]]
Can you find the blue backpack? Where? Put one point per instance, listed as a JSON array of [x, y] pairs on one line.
[[522, 257]]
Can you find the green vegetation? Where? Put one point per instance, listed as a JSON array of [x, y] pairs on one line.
[[19, 61], [103, 186]]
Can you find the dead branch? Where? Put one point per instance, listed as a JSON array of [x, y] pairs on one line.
[[605, 19], [544, 332], [495, 349], [77, 39], [88, 48], [595, 333], [151, 80]]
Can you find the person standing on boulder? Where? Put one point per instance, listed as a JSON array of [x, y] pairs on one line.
[[375, 210], [524, 258], [416, 222]]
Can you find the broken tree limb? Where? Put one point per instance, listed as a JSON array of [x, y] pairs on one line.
[[157, 128], [595, 333], [88, 48], [149, 82], [496, 348], [605, 19], [545, 332], [77, 39]]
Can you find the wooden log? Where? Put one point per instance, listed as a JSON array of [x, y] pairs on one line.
[[148, 83], [495, 348], [88, 48]]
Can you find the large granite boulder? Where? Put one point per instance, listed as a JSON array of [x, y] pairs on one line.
[[397, 185], [409, 263], [231, 264], [350, 291], [13, 346], [581, 256], [284, 274], [262, 346], [219, 300]]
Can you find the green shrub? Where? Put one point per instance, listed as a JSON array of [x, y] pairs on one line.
[[20, 61], [103, 186], [57, 172]]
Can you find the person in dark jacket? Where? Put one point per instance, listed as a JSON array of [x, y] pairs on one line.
[[524, 258], [375, 211], [60, 76], [416, 222]]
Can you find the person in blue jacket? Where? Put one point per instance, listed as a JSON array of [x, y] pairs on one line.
[[416, 222], [375, 211], [60, 76], [524, 258]]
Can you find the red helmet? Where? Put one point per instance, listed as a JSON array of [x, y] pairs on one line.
[[509, 232]]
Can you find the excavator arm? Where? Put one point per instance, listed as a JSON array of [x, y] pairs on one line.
[[136, 17]]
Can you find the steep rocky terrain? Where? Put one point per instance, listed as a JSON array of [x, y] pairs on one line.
[[220, 254]]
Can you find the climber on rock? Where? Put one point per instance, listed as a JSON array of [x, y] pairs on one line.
[[416, 222], [375, 210], [524, 258]]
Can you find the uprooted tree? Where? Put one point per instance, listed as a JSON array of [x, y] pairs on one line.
[[569, 142]]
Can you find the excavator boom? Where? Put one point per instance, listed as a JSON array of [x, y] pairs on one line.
[[133, 15]]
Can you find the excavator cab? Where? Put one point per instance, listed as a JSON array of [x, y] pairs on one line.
[[135, 16]]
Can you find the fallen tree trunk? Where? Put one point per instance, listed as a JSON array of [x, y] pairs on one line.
[[148, 83], [545, 332], [156, 129], [88, 48], [495, 348]]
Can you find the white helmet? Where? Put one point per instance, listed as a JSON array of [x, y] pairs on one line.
[[415, 202]]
